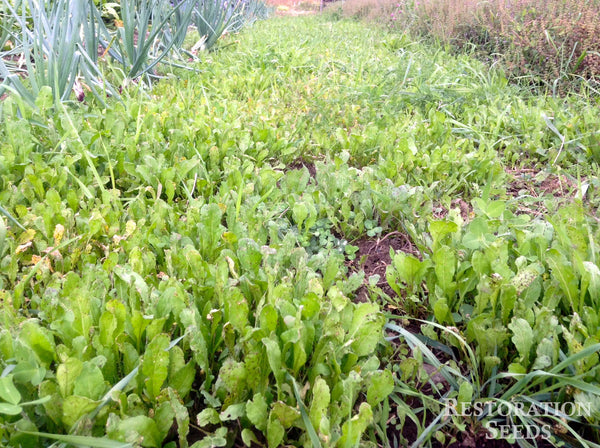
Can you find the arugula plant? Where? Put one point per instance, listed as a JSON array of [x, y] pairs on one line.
[[463, 400]]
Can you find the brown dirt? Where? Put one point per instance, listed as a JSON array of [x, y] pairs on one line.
[[295, 7], [298, 164], [480, 440], [474, 436], [466, 210], [536, 185], [373, 256]]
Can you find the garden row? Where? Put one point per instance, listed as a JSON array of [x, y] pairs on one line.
[[66, 45], [187, 266]]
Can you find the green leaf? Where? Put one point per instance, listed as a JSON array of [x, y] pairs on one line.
[[210, 230], [274, 358], [508, 298], [164, 414], [112, 322], [82, 322], [90, 382], [445, 266], [330, 272], [233, 375], [321, 397], [29, 372], [257, 411], [545, 354], [353, 429], [299, 213], [249, 438], [10, 409], [275, 432], [523, 337], [8, 391], [268, 318], [132, 278], [198, 345], [249, 255], [218, 439], [141, 426], [53, 407], [381, 385], [591, 275], [465, 395], [286, 414], [66, 374], [183, 379], [493, 209], [439, 229], [40, 341], [442, 312], [74, 407], [236, 309], [366, 329], [410, 269], [478, 234], [563, 272], [208, 416], [233, 412], [155, 364]]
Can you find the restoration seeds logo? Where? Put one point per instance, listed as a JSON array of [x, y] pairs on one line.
[[514, 420]]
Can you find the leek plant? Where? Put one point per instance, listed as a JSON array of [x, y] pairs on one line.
[[151, 29], [57, 43], [55, 39], [213, 18]]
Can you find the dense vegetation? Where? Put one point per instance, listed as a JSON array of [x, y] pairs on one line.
[[551, 45], [186, 265]]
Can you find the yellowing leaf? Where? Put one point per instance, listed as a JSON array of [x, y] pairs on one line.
[[23, 247], [59, 232], [35, 259], [26, 236]]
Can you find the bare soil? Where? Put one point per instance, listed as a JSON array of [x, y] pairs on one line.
[[373, 257], [299, 163], [295, 7]]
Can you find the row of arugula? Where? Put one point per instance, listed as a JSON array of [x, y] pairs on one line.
[[167, 279]]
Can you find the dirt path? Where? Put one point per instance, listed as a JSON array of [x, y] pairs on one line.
[[295, 7]]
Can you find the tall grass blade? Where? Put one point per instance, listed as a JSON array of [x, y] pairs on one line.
[[11, 218], [92, 442]]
